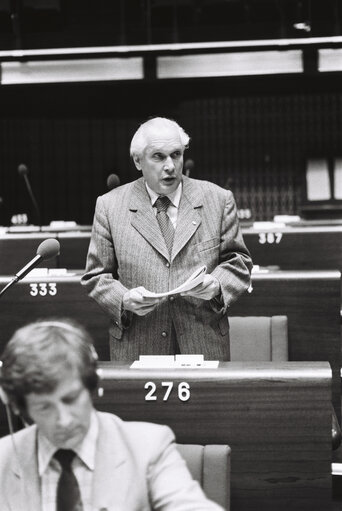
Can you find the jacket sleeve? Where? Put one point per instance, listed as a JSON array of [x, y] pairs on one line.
[[235, 264], [171, 486], [100, 278]]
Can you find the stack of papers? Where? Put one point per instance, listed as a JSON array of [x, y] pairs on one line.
[[193, 281]]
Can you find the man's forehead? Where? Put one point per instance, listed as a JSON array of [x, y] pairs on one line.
[[67, 383], [164, 145]]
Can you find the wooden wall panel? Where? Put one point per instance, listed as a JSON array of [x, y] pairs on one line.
[[72, 138]]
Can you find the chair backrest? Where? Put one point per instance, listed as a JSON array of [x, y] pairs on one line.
[[210, 466], [258, 338]]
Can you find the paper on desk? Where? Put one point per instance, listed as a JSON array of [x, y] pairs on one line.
[[194, 280], [173, 362]]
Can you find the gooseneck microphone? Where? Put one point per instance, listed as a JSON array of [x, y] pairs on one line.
[[113, 181], [47, 249], [23, 171]]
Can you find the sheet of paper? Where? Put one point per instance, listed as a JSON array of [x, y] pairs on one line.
[[194, 280]]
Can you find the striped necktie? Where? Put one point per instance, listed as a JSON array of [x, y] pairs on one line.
[[166, 227], [68, 497]]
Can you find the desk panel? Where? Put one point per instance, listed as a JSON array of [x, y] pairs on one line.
[[36, 298], [74, 250], [275, 417], [304, 247], [312, 302], [16, 250], [296, 248]]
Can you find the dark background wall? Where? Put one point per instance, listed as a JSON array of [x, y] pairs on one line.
[[252, 135]]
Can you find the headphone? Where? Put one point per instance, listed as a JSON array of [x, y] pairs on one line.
[[3, 396]]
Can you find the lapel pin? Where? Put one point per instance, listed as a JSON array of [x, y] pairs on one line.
[[193, 223]]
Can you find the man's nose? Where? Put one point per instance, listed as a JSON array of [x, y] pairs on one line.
[[169, 166], [63, 416]]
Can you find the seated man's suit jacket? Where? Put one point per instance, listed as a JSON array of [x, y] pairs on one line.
[[137, 468], [127, 250]]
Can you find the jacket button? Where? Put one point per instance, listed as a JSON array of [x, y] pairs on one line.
[[167, 265], [171, 298], [164, 334]]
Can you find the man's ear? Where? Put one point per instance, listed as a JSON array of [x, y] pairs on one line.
[[136, 160]]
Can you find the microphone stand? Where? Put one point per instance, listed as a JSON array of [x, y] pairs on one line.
[[13, 281], [33, 199], [21, 274]]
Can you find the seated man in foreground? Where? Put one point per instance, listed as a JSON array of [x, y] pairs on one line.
[[74, 458]]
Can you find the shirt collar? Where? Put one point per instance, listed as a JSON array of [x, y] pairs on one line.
[[85, 451], [174, 197]]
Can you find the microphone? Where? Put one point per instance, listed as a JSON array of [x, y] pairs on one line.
[[47, 249], [113, 181], [23, 171], [188, 166]]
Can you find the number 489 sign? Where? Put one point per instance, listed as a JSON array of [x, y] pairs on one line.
[[183, 390]]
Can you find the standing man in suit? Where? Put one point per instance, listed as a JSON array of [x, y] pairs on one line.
[[152, 234], [74, 458]]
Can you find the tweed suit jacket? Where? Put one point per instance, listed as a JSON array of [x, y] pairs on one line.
[[127, 250], [137, 468]]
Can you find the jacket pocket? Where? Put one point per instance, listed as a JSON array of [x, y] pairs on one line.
[[208, 244]]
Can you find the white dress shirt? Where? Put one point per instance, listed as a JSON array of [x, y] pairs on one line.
[[175, 197]]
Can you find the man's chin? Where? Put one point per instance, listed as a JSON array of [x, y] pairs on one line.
[[167, 187], [68, 441]]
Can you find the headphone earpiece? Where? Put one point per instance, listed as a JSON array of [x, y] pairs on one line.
[[4, 397]]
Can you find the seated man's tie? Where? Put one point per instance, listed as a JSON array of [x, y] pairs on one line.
[[167, 229], [68, 491]]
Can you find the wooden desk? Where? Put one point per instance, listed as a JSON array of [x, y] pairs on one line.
[[312, 302], [16, 250], [296, 248], [304, 247], [51, 296], [74, 249], [275, 417]]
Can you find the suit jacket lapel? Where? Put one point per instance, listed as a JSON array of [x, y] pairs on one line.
[[111, 478], [144, 220], [25, 485], [189, 218]]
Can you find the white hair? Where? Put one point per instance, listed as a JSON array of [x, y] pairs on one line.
[[139, 140]]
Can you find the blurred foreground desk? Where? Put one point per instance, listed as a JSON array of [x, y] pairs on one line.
[[52, 296], [312, 302], [298, 248], [275, 417]]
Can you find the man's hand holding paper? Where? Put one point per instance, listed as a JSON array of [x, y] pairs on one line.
[[136, 300], [206, 290], [200, 285]]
